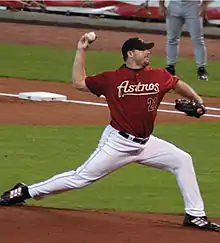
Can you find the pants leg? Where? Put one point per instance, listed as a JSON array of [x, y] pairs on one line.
[[163, 155], [195, 28], [174, 25], [110, 155]]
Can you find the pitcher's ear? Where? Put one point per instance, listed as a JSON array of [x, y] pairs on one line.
[[130, 53]]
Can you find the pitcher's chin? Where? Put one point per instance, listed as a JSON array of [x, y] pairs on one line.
[[146, 64]]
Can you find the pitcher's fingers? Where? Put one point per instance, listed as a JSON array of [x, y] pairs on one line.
[[83, 38]]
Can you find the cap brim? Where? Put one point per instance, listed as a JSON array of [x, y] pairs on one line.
[[149, 45]]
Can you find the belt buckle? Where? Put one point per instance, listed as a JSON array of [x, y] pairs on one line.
[[131, 138], [142, 140]]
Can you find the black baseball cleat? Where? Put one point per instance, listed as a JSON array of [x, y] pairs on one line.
[[15, 196], [171, 69], [200, 223], [202, 74]]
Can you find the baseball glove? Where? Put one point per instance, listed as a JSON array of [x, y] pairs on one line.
[[190, 107]]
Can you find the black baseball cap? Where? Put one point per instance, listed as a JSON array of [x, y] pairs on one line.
[[135, 43]]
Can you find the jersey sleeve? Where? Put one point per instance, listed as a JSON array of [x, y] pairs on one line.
[[170, 80], [96, 84]]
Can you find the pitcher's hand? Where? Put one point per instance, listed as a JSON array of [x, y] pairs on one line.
[[83, 42]]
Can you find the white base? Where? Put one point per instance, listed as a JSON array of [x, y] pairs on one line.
[[41, 96]]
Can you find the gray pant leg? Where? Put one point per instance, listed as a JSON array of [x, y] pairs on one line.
[[174, 27], [195, 28]]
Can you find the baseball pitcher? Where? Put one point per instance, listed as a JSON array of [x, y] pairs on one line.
[[133, 93]]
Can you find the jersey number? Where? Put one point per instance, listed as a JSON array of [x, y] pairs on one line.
[[152, 104]]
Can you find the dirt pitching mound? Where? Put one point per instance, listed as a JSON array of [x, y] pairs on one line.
[[37, 225]]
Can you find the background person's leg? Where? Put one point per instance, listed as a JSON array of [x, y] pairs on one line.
[[195, 28], [174, 25]]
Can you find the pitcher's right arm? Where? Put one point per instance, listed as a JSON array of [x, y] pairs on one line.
[[78, 69], [95, 84]]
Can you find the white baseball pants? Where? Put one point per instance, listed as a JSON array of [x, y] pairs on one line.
[[115, 151]]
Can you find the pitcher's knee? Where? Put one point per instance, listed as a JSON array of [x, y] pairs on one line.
[[185, 160], [81, 179], [79, 182]]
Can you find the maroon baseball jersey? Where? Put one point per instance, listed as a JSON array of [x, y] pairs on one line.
[[133, 96]]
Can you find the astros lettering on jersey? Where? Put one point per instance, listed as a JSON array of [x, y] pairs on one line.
[[125, 88]]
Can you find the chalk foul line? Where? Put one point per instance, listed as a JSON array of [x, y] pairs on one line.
[[105, 105]]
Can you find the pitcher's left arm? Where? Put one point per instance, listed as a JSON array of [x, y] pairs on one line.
[[187, 91], [194, 106]]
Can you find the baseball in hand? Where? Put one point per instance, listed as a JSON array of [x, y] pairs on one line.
[[91, 36]]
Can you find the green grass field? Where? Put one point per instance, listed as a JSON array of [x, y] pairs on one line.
[[35, 153]]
